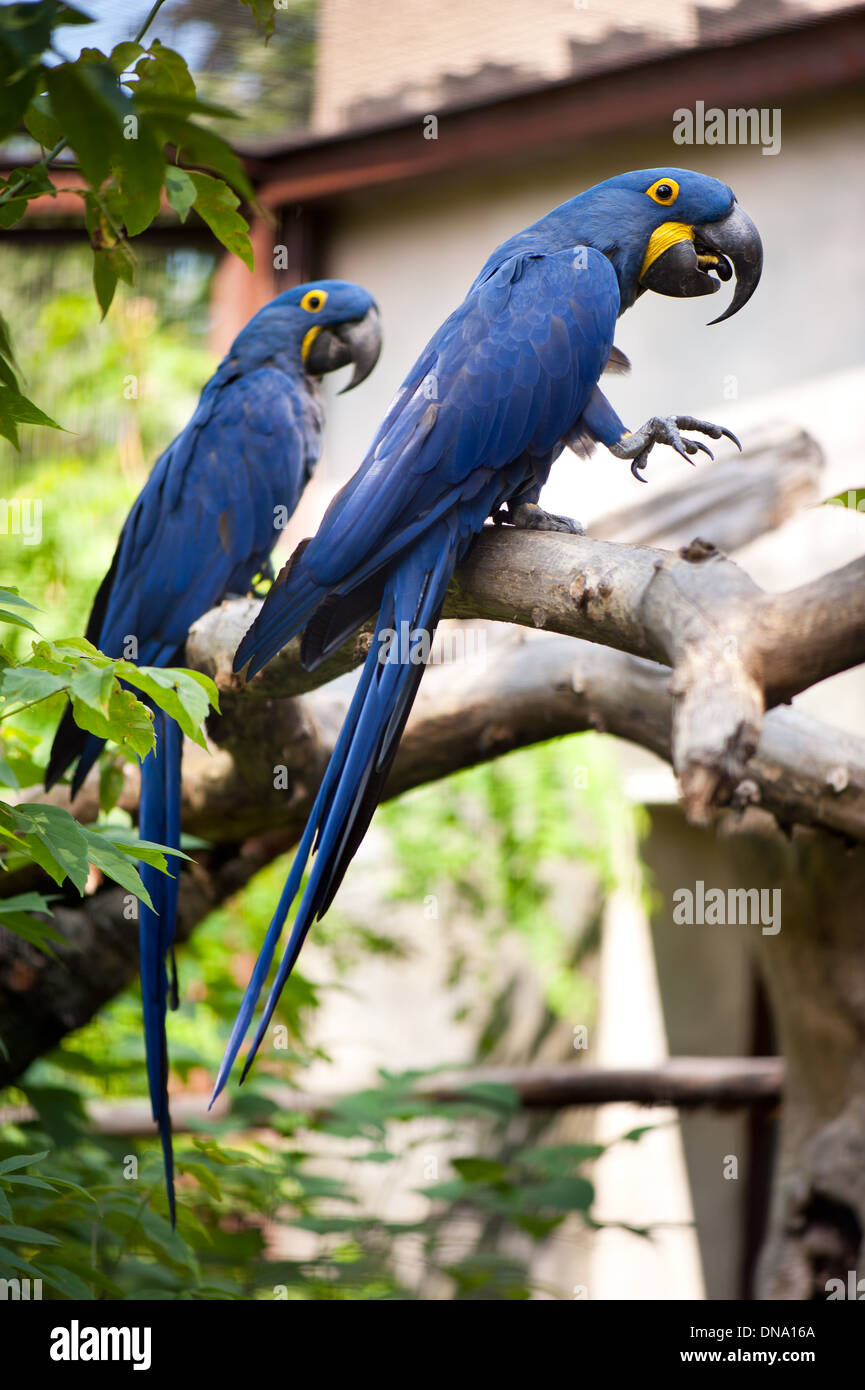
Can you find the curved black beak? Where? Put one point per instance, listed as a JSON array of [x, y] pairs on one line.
[[358, 342], [688, 268], [737, 240]]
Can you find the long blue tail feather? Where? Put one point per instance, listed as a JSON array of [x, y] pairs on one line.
[[159, 821], [357, 769]]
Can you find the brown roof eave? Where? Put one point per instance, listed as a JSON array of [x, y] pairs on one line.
[[824, 54]]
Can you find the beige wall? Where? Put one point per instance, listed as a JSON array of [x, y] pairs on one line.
[[403, 51], [418, 251], [376, 58]]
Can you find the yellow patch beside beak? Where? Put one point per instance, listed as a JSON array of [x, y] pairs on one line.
[[662, 239], [308, 340]]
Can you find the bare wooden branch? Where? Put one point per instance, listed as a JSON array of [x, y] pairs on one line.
[[734, 650], [688, 1083]]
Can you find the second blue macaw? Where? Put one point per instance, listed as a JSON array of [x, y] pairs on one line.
[[505, 384], [202, 527]]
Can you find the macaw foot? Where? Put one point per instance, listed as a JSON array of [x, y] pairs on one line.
[[528, 516], [665, 430], [265, 576]]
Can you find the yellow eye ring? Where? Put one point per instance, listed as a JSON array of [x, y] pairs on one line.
[[664, 192], [314, 300]]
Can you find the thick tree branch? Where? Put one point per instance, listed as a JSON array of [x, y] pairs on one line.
[[733, 649], [634, 607]]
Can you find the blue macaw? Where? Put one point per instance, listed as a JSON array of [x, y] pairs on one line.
[[202, 527], [509, 380]]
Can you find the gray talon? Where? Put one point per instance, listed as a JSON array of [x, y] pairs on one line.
[[637, 446], [528, 516]]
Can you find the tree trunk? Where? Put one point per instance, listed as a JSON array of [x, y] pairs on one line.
[[814, 969]]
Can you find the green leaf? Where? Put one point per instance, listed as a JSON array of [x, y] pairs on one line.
[[182, 694], [25, 684], [201, 146], [480, 1169], [110, 785], [61, 1112], [62, 836], [17, 408], [264, 17], [65, 1282], [35, 1184], [131, 723], [91, 107], [561, 1159], [124, 718], [26, 29], [36, 850], [15, 619], [40, 121], [16, 92], [12, 596], [146, 852], [12, 1165], [494, 1095], [70, 14], [10, 1261], [167, 104], [564, 1194], [33, 931], [6, 344], [27, 1235], [123, 55], [25, 33], [28, 183], [115, 864], [633, 1135], [104, 279], [92, 686], [140, 170], [204, 1176], [162, 71], [179, 190], [215, 204], [25, 902]]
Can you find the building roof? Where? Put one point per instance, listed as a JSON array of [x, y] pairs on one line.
[[813, 54]]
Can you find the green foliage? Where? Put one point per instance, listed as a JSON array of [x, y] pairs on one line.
[[87, 1215], [123, 114], [15, 408], [49, 836]]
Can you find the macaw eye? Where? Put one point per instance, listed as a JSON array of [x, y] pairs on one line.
[[313, 300], [664, 191]]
